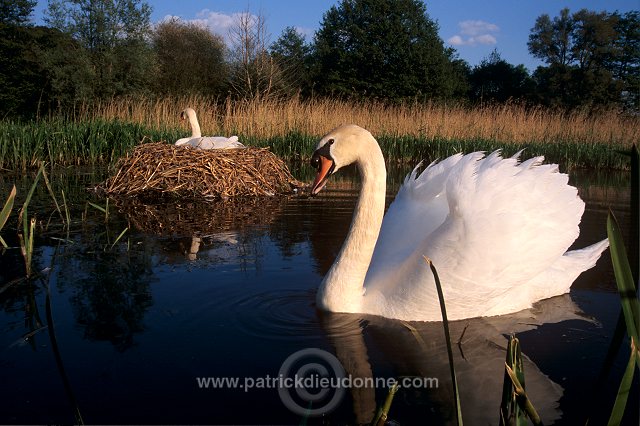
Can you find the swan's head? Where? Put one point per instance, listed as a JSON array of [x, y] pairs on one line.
[[340, 147], [187, 113]]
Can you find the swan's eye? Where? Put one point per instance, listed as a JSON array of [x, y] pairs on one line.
[[315, 161], [330, 142]]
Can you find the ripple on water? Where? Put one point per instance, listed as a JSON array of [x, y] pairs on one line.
[[278, 315]]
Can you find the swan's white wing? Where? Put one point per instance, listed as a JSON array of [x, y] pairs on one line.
[[419, 207], [490, 226], [219, 142], [508, 221]]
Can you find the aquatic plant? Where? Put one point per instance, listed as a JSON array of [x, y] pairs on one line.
[[383, 412], [627, 288], [104, 210], [6, 211], [447, 336], [515, 406], [28, 231], [631, 311]]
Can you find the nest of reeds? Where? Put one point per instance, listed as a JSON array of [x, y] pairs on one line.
[[156, 169]]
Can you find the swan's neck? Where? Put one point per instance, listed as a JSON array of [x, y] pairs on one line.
[[195, 126], [342, 288]]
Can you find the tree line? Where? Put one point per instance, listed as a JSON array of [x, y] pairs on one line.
[[387, 50]]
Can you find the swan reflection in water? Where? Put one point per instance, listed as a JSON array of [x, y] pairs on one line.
[[226, 237], [479, 360]]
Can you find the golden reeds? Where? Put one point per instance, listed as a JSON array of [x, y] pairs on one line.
[[510, 123], [162, 169]]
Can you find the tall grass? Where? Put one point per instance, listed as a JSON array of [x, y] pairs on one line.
[[271, 118], [102, 133], [62, 141]]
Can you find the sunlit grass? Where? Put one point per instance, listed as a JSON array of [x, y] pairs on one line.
[[511, 123], [99, 134]]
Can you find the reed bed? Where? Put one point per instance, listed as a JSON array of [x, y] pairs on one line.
[[158, 169], [265, 119], [102, 133]]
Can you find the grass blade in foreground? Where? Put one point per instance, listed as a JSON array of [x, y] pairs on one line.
[[104, 209], [445, 324], [119, 237], [625, 387], [50, 189], [521, 396], [516, 406], [383, 412], [624, 278], [56, 352], [6, 211], [510, 411], [26, 238]]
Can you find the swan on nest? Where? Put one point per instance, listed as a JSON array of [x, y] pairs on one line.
[[196, 140]]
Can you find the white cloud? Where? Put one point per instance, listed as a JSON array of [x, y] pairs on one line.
[[485, 39], [456, 40], [474, 32], [217, 22], [474, 28]]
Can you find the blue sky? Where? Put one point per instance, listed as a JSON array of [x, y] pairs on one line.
[[473, 27]]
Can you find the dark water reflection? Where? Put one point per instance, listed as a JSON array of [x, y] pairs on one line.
[[226, 289]]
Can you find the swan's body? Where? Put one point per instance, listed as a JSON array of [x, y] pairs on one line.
[[198, 141], [496, 230], [211, 142]]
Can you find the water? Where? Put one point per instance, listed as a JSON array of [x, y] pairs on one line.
[[121, 333]]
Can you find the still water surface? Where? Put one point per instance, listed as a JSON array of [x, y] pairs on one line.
[[121, 333]]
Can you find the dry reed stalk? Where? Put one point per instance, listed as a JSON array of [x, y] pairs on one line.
[[160, 169], [510, 123]]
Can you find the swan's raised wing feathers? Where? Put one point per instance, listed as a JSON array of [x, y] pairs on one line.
[[418, 208], [489, 224]]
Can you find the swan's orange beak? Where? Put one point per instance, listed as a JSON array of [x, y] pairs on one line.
[[325, 167]]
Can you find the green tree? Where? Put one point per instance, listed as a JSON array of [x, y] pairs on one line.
[[189, 59], [18, 78], [550, 40], [292, 55], [594, 37], [494, 79], [625, 62], [592, 59], [64, 66], [386, 49], [114, 32], [16, 12]]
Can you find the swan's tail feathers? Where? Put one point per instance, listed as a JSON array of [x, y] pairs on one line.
[[558, 278], [588, 256]]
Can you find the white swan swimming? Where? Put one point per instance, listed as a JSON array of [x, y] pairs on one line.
[[497, 231], [196, 139]]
